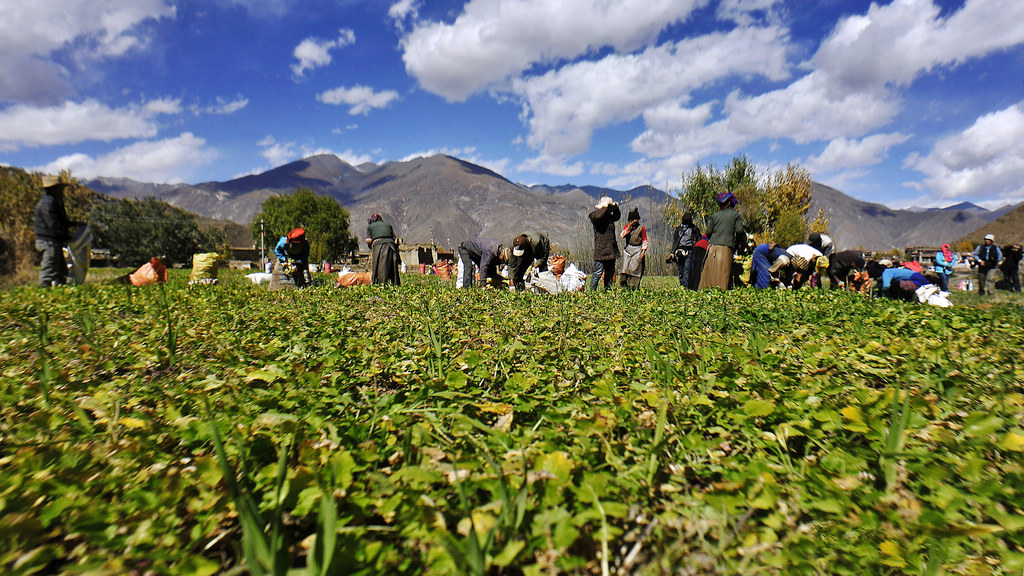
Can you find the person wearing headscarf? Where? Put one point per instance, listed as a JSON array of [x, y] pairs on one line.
[[485, 255], [292, 252], [767, 260], [384, 258], [531, 248], [944, 261], [723, 229], [841, 264], [53, 230], [684, 238], [606, 249], [634, 251], [986, 257]]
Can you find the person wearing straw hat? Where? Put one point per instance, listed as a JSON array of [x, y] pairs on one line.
[[723, 229], [53, 230], [986, 258], [606, 248]]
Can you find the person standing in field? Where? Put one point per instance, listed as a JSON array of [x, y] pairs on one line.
[[53, 230], [986, 257], [606, 249], [1011, 266], [634, 252], [724, 227], [529, 248], [384, 259], [944, 261], [485, 254], [684, 237]]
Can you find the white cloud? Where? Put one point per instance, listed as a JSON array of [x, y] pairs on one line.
[[984, 161], [844, 154], [277, 153], [743, 12], [30, 34], [222, 107], [171, 160], [361, 99], [314, 53], [493, 40], [354, 158], [895, 43], [565, 106], [402, 11], [554, 165], [74, 122]]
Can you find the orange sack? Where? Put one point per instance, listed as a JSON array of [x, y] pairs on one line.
[[149, 273], [443, 269], [353, 279]]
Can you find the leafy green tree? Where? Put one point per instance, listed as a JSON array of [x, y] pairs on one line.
[[137, 230], [325, 220], [774, 206]]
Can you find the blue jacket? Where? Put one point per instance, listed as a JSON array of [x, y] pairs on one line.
[[943, 267]]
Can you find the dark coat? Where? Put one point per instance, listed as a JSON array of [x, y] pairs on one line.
[[606, 246], [485, 253], [51, 220]]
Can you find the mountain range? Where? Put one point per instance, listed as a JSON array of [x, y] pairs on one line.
[[445, 200]]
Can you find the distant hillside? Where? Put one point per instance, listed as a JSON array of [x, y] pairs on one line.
[[1008, 229], [870, 226], [446, 200], [437, 199]]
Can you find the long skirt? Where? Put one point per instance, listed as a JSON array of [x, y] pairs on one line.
[[717, 268], [632, 266], [384, 263]]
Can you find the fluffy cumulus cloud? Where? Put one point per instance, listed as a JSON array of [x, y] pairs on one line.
[[896, 43], [493, 40], [554, 165], [845, 154], [75, 122], [314, 53], [402, 11], [745, 12], [985, 160], [566, 105], [359, 99], [171, 160], [30, 34]]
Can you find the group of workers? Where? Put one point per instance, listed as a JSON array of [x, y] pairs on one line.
[[703, 259]]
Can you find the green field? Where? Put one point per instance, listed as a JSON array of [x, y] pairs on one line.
[[230, 429]]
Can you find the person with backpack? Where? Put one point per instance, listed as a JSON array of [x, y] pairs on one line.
[[986, 257], [684, 237]]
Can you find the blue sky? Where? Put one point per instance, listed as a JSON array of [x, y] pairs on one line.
[[909, 102]]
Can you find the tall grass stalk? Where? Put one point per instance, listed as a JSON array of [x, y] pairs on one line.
[[265, 554]]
